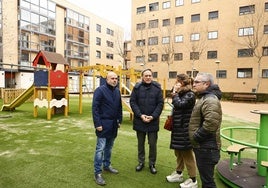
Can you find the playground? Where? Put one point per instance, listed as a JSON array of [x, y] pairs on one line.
[[35, 150], [50, 87]]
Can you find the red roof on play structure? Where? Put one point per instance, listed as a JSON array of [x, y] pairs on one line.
[[48, 58]]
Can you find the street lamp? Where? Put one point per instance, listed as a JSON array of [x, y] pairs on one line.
[[218, 69]]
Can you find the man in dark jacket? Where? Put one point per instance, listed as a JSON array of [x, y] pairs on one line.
[[204, 127], [107, 117], [147, 103]]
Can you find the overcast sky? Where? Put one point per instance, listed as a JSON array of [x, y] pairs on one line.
[[116, 11]]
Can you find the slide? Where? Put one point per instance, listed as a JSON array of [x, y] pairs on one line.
[[19, 100]]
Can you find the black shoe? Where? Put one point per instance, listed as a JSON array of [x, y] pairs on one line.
[[111, 170], [139, 167], [99, 180], [153, 169]]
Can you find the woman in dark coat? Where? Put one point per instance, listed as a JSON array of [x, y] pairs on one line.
[[183, 100]]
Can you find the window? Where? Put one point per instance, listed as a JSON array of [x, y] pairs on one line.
[[153, 7], [195, 36], [24, 40], [196, 1], [98, 28], [246, 31], [266, 7], [265, 51], [195, 18], [178, 56], [98, 54], [213, 35], [140, 26], [140, 42], [265, 29], [110, 44], [109, 32], [141, 10], [140, 59], [247, 10], [166, 5], [155, 74], [98, 41], [109, 56], [179, 2], [192, 72], [166, 22], [153, 57], [213, 15], [25, 56], [221, 73], [194, 55], [212, 55], [179, 20], [153, 41], [244, 73], [153, 23], [245, 53], [264, 73], [165, 40], [165, 57], [172, 74], [179, 38]]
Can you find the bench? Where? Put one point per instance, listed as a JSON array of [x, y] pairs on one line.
[[235, 149], [265, 164], [245, 97]]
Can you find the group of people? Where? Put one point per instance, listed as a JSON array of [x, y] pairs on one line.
[[195, 137]]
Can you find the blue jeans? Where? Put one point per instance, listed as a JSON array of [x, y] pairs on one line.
[[103, 154], [206, 159]]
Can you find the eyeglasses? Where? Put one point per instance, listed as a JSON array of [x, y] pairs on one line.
[[198, 81]]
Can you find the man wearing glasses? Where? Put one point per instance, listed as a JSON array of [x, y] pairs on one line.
[[204, 127]]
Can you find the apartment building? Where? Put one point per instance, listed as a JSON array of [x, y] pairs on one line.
[[226, 38], [28, 26]]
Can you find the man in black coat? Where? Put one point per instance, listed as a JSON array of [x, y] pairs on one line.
[[147, 104]]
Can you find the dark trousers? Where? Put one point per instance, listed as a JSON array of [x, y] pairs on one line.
[[206, 159], [152, 141]]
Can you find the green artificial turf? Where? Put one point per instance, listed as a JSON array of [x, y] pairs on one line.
[[58, 153]]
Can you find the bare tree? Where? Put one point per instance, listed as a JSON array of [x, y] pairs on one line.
[[254, 34], [167, 46], [120, 50], [197, 46]]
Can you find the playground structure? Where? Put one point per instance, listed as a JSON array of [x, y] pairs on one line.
[[127, 80], [245, 172], [51, 81], [51, 84]]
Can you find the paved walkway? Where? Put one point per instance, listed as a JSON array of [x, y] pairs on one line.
[[242, 110]]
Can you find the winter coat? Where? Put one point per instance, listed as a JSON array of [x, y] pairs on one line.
[[107, 110], [205, 122], [146, 99], [183, 104]]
